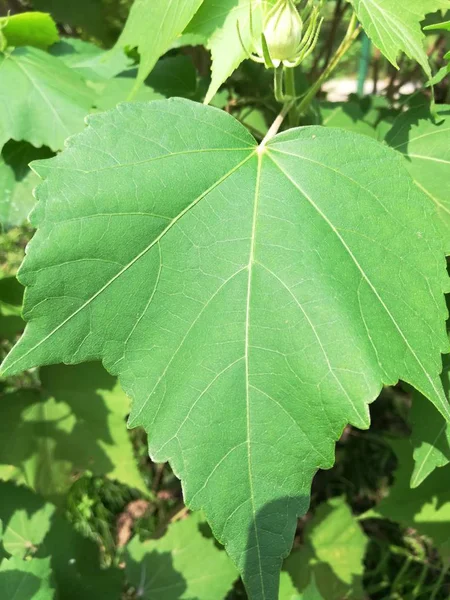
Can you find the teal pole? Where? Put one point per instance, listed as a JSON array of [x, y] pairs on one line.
[[364, 63]]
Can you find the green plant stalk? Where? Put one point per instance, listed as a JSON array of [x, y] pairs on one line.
[[278, 84], [351, 35], [289, 83]]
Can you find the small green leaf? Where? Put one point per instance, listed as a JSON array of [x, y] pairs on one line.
[[179, 566], [76, 423], [430, 433], [425, 508], [17, 182], [217, 24], [238, 293], [152, 26], [394, 26], [75, 560], [42, 101], [425, 145], [289, 592], [333, 553], [26, 519], [29, 29], [445, 25], [26, 579]]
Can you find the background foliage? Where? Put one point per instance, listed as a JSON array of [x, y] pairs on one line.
[[84, 512]]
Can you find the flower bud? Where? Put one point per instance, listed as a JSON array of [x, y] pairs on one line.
[[283, 30]]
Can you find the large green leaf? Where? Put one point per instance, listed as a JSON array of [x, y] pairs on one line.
[[42, 101], [217, 24], [252, 299], [425, 145], [152, 26], [76, 423], [26, 579], [333, 553], [181, 565], [17, 181], [394, 26], [426, 508]]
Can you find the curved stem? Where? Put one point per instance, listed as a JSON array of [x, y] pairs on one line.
[[350, 37]]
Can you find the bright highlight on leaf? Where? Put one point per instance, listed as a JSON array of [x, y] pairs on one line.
[[253, 300], [29, 29]]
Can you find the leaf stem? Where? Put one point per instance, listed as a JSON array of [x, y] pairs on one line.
[[351, 35], [276, 124]]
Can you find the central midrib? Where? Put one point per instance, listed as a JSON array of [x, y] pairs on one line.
[[247, 375]]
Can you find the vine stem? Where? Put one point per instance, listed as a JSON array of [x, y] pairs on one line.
[[351, 35]]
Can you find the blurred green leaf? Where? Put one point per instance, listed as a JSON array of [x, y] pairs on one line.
[[42, 101], [89, 15], [26, 519], [333, 552], [29, 29], [217, 24], [425, 508], [90, 61], [26, 579], [182, 565], [75, 423], [152, 26], [17, 181]]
